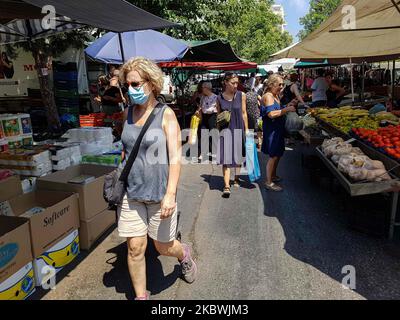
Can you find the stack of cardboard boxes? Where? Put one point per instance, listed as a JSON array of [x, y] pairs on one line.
[[95, 218], [43, 231]]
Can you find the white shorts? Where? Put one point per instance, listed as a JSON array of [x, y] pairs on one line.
[[139, 219]]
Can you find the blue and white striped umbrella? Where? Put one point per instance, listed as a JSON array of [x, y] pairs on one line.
[[23, 30]]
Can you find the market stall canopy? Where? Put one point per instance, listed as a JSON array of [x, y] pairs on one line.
[[150, 44], [223, 66], [309, 65], [115, 15], [375, 37], [211, 51], [22, 20]]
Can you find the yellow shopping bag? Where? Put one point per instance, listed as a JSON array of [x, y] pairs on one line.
[[194, 127]]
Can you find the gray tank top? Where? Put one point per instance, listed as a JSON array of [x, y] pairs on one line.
[[147, 181]]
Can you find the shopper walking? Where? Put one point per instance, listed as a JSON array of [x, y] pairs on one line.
[[149, 207], [208, 112], [291, 91], [253, 103], [232, 151], [274, 119]]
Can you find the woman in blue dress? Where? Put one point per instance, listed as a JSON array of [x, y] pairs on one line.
[[274, 119]]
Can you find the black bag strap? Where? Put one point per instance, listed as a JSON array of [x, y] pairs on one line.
[[135, 150]]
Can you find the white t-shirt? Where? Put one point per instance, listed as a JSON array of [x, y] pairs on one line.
[[209, 104], [319, 87]]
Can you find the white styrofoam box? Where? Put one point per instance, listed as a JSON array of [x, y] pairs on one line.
[[29, 185], [58, 257], [20, 285], [95, 148], [76, 159], [89, 135]]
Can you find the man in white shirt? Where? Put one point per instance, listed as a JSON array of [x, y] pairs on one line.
[[319, 89], [208, 112]]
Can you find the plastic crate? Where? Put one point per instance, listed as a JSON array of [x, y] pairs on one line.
[[69, 76], [66, 84], [74, 111], [66, 93]]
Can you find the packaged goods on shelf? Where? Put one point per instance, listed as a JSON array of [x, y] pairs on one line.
[[353, 162], [27, 162], [112, 160]]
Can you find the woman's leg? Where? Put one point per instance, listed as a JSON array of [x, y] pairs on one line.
[[227, 176], [270, 169], [274, 172], [170, 249], [137, 264]]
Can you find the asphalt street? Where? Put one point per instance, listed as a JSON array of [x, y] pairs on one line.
[[257, 244]]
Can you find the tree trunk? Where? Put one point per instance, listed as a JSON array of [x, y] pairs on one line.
[[42, 69]]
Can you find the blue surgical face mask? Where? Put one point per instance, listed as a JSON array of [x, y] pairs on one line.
[[137, 95]]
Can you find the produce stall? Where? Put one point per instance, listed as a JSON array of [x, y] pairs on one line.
[[353, 165], [364, 152]]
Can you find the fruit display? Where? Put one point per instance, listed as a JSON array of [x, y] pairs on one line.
[[346, 118], [353, 162], [387, 139]]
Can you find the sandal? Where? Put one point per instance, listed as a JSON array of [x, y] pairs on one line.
[[227, 192], [236, 183], [273, 187], [276, 179]]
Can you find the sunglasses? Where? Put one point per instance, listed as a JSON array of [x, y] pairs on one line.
[[136, 84]]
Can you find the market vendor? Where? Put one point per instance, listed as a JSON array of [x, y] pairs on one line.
[[113, 96], [335, 92], [319, 89]]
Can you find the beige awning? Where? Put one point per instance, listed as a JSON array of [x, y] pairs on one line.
[[376, 37]]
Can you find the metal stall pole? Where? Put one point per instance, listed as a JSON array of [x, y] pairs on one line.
[[393, 223], [352, 80], [393, 81], [362, 82]]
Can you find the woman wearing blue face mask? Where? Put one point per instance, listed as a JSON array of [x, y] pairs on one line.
[[149, 207]]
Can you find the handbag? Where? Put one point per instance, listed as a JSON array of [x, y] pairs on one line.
[[224, 118], [115, 183]]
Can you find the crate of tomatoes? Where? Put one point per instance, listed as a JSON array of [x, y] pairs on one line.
[[386, 140]]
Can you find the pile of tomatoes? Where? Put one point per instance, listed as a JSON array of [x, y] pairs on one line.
[[387, 138]]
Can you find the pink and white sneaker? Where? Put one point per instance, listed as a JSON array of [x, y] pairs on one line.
[[189, 267]]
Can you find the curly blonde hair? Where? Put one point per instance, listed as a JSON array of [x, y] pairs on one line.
[[272, 81], [147, 69]]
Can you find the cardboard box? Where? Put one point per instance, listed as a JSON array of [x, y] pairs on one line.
[[58, 218], [10, 188], [93, 229], [57, 257], [20, 285], [15, 246], [91, 200]]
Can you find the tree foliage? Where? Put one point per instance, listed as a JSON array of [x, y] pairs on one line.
[[320, 10], [249, 25]]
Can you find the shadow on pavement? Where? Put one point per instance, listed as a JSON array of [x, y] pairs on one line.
[[327, 229], [119, 276], [217, 182]]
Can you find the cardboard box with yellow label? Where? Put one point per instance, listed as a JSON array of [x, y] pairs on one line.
[[52, 261], [20, 285]]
